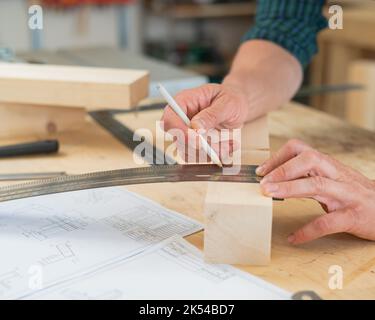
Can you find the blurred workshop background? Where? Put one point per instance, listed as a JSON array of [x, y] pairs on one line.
[[185, 43]]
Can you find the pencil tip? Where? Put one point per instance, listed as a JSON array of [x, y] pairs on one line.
[[218, 163]]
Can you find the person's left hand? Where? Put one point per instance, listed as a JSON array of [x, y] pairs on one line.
[[348, 197]]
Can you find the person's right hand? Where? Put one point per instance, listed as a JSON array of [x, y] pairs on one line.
[[211, 106]]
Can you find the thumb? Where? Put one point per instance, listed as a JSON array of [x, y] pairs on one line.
[[210, 118], [335, 222]]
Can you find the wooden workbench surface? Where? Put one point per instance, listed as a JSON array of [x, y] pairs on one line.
[[304, 267]]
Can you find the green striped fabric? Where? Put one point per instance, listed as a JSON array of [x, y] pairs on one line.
[[292, 24]]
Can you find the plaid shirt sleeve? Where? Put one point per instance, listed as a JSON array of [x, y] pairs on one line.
[[292, 24]]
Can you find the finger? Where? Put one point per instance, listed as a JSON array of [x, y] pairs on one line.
[[291, 149], [172, 121], [191, 155], [319, 188], [335, 222], [211, 117], [307, 163], [191, 102], [192, 151]]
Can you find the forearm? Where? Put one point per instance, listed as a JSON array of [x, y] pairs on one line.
[[268, 74]]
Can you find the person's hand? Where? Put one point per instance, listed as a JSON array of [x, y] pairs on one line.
[[348, 197], [210, 107]]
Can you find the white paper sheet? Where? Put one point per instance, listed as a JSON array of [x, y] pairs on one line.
[[173, 270], [49, 239]]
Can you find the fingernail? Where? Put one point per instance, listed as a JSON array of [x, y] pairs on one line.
[[259, 171], [198, 124], [270, 188], [291, 238], [266, 179]]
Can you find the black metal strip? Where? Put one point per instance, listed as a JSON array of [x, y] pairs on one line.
[[154, 174]]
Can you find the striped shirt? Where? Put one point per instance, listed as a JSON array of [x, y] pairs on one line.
[[292, 24]]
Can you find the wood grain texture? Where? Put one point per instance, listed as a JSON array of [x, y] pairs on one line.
[[238, 223], [360, 109], [24, 120], [238, 218], [72, 86]]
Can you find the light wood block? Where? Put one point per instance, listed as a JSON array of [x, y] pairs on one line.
[[19, 120], [72, 86], [255, 136], [238, 218]]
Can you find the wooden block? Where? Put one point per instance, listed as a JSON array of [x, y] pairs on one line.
[[19, 120], [238, 224], [72, 86], [238, 218], [255, 135]]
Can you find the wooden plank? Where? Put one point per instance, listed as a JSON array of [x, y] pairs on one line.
[[238, 218], [360, 109], [72, 86], [20, 120]]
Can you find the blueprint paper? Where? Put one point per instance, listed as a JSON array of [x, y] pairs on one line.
[[173, 270], [49, 239]]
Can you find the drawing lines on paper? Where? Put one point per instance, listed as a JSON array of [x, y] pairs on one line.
[[63, 251], [52, 226], [8, 278], [179, 253], [146, 225]]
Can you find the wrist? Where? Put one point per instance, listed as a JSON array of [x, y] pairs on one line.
[[252, 87], [233, 80], [239, 81]]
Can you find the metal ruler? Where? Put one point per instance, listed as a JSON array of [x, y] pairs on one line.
[[29, 176], [154, 174]]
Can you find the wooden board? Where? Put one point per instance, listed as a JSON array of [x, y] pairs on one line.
[[23, 120], [238, 217], [360, 109], [72, 86]]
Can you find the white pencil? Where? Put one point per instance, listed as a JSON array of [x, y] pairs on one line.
[[176, 108]]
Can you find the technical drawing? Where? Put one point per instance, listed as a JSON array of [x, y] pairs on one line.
[[7, 279], [68, 238], [63, 251], [146, 225], [50, 227], [182, 256]]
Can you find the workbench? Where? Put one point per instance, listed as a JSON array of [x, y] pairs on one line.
[[294, 268]]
